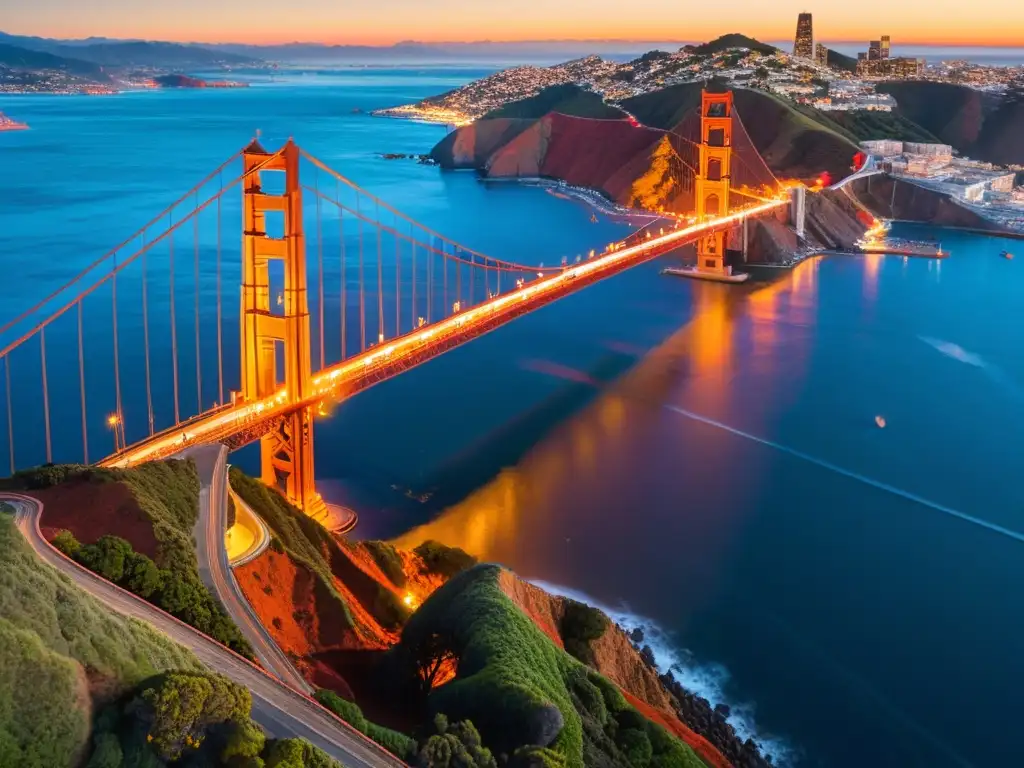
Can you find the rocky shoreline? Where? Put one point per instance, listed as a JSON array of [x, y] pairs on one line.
[[698, 713]]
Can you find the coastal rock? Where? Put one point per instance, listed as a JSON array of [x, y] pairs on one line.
[[890, 198]]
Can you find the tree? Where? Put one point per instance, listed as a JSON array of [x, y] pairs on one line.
[[433, 654], [455, 746], [66, 542], [180, 709], [106, 557]]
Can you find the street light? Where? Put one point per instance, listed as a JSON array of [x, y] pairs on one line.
[[114, 422]]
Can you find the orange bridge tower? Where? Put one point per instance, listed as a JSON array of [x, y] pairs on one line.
[[287, 452], [712, 180]]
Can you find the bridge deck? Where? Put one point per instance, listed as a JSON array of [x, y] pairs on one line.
[[244, 422]]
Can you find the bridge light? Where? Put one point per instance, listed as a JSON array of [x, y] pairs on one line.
[[456, 306], [113, 420], [420, 322], [380, 338], [540, 274]]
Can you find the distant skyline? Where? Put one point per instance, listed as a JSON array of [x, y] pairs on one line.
[[384, 22]]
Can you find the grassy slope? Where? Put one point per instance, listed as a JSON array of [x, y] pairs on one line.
[[311, 545], [166, 494], [50, 633], [566, 99], [519, 687]]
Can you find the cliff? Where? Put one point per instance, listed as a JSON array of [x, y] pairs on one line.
[[614, 655], [889, 198], [620, 157]]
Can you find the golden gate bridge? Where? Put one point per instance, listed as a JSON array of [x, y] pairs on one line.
[[388, 294]]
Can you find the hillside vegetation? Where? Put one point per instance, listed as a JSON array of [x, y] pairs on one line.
[[63, 654], [568, 99], [984, 126], [531, 700], [152, 508]]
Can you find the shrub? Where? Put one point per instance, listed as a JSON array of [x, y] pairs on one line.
[[179, 709], [454, 746], [106, 752], [396, 743], [297, 753], [442, 560], [66, 542], [580, 626], [388, 559]]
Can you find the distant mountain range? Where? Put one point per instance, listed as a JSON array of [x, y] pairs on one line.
[[90, 57]]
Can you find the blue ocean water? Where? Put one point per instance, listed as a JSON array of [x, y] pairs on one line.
[[701, 459]]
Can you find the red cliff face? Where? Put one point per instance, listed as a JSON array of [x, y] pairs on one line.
[[607, 155]]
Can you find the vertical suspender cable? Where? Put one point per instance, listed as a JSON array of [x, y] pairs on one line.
[[220, 343], [380, 280], [458, 278], [174, 330], [398, 281], [320, 263], [444, 266], [362, 297], [344, 270], [472, 271], [117, 355], [199, 358], [412, 242], [46, 395], [145, 338], [10, 414], [430, 281], [81, 386]]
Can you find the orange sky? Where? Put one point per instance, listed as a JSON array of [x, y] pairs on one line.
[[981, 22]]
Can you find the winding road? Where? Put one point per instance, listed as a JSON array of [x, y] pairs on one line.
[[215, 570], [282, 711]]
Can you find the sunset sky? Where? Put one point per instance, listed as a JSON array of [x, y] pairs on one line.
[[376, 22]]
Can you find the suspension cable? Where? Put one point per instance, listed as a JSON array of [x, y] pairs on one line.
[[81, 386], [46, 396], [220, 329], [380, 283], [117, 351], [344, 273], [199, 357], [145, 343], [10, 413], [174, 337], [320, 266]]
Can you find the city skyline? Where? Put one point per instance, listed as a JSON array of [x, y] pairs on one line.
[[987, 23]]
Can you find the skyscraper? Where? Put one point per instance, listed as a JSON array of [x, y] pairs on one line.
[[821, 54], [885, 47], [874, 50], [803, 47]]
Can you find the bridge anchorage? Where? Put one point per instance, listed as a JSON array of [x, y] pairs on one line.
[[360, 296]]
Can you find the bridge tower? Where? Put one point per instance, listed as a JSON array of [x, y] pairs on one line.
[[713, 178], [287, 452]]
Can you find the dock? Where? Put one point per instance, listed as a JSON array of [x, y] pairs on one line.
[[920, 249]]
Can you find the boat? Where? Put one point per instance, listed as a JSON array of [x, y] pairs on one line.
[[6, 124], [1006, 255], [726, 276]]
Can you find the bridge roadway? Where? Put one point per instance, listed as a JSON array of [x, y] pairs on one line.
[[383, 361], [280, 710]]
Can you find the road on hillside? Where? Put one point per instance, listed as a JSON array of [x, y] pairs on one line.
[[215, 571], [281, 711]]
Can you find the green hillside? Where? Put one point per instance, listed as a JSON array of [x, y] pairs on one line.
[[528, 697], [568, 99], [733, 40], [61, 653], [838, 60], [794, 142]]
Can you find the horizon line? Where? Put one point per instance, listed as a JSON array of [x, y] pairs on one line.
[[521, 41]]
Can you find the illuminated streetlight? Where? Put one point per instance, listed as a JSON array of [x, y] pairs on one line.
[[114, 422]]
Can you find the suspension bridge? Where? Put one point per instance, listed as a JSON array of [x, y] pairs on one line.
[[141, 351]]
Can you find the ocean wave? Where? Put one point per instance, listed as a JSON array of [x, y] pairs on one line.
[[708, 680]]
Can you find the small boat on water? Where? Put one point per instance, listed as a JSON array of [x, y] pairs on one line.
[[1006, 255], [7, 124]]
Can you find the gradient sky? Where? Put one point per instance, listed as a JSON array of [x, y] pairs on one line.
[[974, 22]]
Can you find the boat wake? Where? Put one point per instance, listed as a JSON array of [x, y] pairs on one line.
[[706, 680], [955, 351], [958, 353]]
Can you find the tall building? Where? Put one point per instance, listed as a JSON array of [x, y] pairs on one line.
[[885, 47], [875, 50], [803, 47], [821, 55]]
